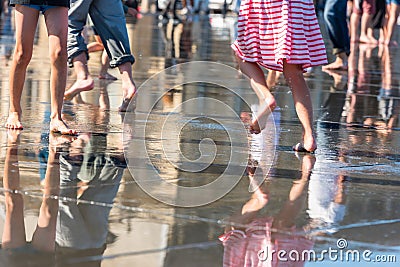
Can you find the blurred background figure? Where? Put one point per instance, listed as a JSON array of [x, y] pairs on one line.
[[335, 17]]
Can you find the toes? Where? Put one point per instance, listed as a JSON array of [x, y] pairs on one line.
[[300, 148]]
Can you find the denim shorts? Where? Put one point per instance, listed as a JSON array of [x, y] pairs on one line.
[[42, 8], [397, 2]]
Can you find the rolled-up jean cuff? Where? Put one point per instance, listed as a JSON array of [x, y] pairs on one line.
[[121, 60], [337, 51], [74, 55]]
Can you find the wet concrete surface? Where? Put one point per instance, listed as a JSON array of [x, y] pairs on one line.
[[346, 211]]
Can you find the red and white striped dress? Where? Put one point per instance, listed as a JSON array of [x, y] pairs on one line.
[[270, 31]]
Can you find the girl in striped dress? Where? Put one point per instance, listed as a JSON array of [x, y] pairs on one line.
[[281, 35]]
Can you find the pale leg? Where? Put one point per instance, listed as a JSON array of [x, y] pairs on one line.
[[25, 26], [56, 22], [302, 101]]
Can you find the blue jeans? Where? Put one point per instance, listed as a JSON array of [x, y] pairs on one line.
[[336, 22], [109, 19], [41, 8]]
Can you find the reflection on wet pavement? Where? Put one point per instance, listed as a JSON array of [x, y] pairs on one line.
[[83, 201]]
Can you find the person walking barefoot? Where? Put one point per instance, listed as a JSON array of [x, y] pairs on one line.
[[282, 36], [26, 19], [109, 19]]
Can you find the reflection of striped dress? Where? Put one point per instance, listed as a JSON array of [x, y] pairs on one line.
[[270, 31]]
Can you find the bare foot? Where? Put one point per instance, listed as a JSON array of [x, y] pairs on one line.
[[259, 122], [77, 87], [309, 145], [336, 65], [107, 76], [59, 126], [129, 94], [368, 40], [14, 121]]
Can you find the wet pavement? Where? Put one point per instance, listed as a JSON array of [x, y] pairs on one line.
[[103, 198]]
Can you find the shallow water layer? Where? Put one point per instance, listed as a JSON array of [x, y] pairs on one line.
[[179, 181]]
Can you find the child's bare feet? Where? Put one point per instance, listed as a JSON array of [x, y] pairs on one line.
[[59, 126], [14, 121], [79, 86], [107, 76], [259, 122], [308, 146], [338, 64]]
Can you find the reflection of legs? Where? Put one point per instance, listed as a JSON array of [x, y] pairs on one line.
[[45, 234], [257, 201], [56, 21], [259, 85], [302, 102], [25, 26], [128, 86], [77, 49], [14, 227], [297, 196], [105, 178]]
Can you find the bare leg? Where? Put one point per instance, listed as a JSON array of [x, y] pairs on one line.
[[84, 81], [56, 21], [302, 102], [105, 63], [259, 85], [25, 26], [393, 14], [128, 86], [365, 25], [354, 24]]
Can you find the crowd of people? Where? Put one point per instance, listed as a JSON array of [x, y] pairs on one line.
[[292, 47]]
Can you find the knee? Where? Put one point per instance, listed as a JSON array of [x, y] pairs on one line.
[[58, 56], [22, 56]]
